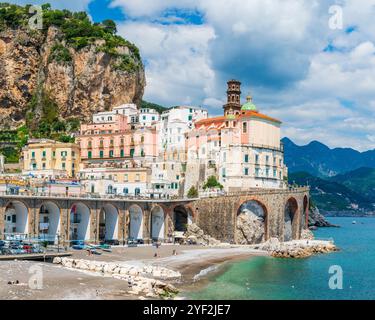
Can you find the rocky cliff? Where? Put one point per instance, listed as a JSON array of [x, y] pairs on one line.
[[79, 79]]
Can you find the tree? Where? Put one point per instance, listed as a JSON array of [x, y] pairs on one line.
[[110, 26], [212, 183], [193, 192]]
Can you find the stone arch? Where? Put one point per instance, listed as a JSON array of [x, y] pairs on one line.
[[157, 223], [251, 222], [49, 221], [17, 219], [108, 223], [305, 216], [135, 222], [80, 221], [182, 217], [290, 219]]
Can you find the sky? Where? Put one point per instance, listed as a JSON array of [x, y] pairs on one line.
[[309, 63]]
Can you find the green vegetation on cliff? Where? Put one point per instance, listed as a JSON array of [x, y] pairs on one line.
[[150, 105], [77, 32]]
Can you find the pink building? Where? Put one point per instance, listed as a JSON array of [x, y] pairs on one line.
[[117, 139]]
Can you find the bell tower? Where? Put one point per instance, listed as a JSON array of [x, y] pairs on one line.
[[233, 105]]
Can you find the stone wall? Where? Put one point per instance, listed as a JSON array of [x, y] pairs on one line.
[[217, 216]]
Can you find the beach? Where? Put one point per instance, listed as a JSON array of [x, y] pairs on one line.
[[58, 283]]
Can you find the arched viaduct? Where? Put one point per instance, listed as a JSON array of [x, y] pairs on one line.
[[95, 220]]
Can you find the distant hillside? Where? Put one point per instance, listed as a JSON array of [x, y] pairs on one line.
[[150, 105], [332, 196], [361, 180], [319, 160]]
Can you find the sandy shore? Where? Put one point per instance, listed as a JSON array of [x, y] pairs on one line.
[[62, 283]]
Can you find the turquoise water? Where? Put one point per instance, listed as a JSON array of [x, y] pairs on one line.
[[270, 278]]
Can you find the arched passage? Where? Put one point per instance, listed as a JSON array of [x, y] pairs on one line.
[[136, 223], [49, 221], [157, 223], [16, 219], [290, 214], [251, 223], [108, 223], [80, 222], [182, 217]]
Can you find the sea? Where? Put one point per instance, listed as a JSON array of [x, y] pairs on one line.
[[347, 274]]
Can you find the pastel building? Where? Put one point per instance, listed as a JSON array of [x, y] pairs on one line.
[[126, 181], [46, 158], [242, 148], [117, 136]]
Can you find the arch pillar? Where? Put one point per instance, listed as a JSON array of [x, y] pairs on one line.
[[94, 224], [168, 223], [146, 225], [65, 225], [122, 230], [2, 224]]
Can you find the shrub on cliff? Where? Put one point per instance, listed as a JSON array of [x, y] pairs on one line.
[[212, 183], [193, 192]]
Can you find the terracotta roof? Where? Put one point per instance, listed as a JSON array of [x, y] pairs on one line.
[[210, 121], [255, 114], [244, 113]]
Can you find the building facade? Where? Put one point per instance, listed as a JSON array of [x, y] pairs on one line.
[[242, 149], [45, 158]]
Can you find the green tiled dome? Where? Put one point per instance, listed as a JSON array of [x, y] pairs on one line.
[[249, 105]]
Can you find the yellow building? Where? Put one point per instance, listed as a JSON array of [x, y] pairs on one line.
[[49, 158]]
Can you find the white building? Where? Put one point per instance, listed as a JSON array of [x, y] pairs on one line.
[[148, 117]]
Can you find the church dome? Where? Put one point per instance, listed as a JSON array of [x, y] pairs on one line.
[[249, 105]]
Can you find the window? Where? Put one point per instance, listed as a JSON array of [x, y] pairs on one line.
[[89, 154], [63, 165], [122, 153], [244, 127], [44, 166], [54, 154], [73, 154], [137, 191], [153, 118], [126, 191], [144, 117], [101, 154], [190, 118], [126, 177], [274, 173], [267, 159], [137, 177], [44, 154], [267, 172], [246, 158], [33, 155], [111, 153], [257, 158], [132, 153], [246, 171], [257, 172], [223, 173]]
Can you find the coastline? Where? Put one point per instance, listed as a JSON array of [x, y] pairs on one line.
[[65, 283]]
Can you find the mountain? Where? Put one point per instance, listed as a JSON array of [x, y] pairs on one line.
[[361, 180], [70, 69], [321, 161], [332, 196]]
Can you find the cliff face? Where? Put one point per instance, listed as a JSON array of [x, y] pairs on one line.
[[88, 81]]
